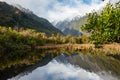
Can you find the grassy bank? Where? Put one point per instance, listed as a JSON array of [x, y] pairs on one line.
[[104, 49]]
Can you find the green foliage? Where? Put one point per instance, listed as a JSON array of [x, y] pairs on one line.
[[12, 38], [18, 46], [15, 46], [104, 27]]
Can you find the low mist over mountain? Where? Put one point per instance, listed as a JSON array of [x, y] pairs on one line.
[[12, 16], [71, 26]]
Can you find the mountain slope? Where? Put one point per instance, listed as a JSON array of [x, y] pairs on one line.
[[12, 16], [71, 27]]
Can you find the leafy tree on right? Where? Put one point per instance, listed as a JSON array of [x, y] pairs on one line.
[[104, 27]]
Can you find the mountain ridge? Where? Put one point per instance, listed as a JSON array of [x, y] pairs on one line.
[[69, 26], [11, 16]]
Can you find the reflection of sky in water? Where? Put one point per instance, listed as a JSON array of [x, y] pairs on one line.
[[60, 71]]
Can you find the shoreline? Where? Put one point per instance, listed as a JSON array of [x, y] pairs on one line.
[[105, 48]]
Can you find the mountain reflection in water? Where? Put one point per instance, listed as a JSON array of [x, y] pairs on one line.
[[75, 67]]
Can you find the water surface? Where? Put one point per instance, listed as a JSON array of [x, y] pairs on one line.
[[75, 67]]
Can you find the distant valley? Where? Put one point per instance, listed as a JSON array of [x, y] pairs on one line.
[[71, 26]]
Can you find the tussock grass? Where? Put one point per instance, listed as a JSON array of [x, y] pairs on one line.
[[104, 49]]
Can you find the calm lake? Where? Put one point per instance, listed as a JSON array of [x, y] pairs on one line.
[[77, 66]]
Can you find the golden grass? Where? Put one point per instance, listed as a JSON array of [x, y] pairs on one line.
[[105, 49]]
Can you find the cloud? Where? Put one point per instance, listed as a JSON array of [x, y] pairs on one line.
[[56, 10], [60, 71]]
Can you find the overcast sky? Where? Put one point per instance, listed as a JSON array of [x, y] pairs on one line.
[[60, 9]]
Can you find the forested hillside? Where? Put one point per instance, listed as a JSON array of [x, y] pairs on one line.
[[11, 16]]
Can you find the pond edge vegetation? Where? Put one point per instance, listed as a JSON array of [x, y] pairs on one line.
[[18, 45]]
